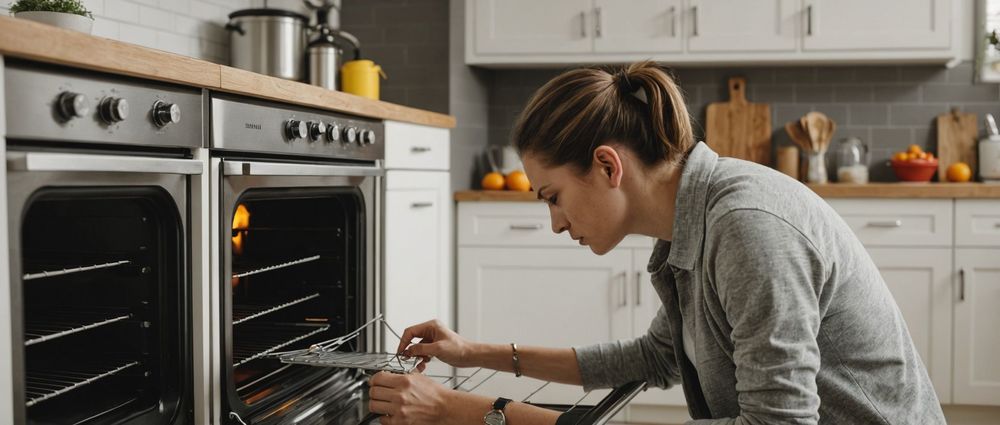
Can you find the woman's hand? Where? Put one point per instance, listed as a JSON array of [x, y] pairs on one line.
[[411, 399], [436, 340]]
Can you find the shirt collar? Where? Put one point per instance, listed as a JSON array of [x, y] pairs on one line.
[[689, 213]]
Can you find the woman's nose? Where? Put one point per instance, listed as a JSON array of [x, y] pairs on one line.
[[559, 223]]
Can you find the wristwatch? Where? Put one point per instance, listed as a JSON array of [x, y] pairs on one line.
[[496, 416]]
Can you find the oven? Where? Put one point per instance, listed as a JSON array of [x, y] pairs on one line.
[[296, 257], [98, 215]]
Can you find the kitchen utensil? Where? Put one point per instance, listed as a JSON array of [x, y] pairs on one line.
[[956, 140], [738, 128], [989, 153], [503, 159], [852, 161], [816, 167], [788, 161], [798, 135], [915, 171], [268, 41], [361, 77], [326, 50]]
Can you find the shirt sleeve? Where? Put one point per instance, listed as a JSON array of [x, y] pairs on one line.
[[647, 358], [768, 277]]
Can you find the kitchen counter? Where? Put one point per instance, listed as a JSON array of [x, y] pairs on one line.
[[833, 190], [44, 43]]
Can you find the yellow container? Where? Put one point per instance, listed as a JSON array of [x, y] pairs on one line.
[[360, 77]]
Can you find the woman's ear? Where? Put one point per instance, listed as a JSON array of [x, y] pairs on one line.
[[607, 160]]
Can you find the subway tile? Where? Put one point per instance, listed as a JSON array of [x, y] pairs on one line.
[[980, 109], [814, 94], [837, 113], [801, 75], [919, 115], [173, 43], [752, 75], [923, 74], [94, 6], [772, 93], [963, 73], [853, 93], [436, 56], [893, 139], [961, 93], [121, 10], [868, 114], [179, 7], [207, 12], [685, 76], [146, 2], [896, 93], [835, 74], [136, 34], [156, 18], [107, 28], [786, 113], [877, 74]]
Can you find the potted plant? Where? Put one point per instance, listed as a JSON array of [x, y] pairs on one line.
[[69, 14]]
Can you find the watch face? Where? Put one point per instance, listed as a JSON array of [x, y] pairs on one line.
[[495, 417]]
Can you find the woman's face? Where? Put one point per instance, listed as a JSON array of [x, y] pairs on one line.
[[590, 207]]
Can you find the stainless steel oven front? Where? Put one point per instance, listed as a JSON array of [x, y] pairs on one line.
[[296, 243]]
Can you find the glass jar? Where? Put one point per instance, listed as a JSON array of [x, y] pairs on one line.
[[852, 161]]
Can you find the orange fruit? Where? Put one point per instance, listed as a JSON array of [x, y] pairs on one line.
[[518, 181], [915, 149], [959, 172], [900, 156], [493, 181]]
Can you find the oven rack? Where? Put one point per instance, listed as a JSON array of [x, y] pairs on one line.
[[245, 312], [354, 360], [276, 266], [63, 322], [43, 385], [72, 270], [263, 340]]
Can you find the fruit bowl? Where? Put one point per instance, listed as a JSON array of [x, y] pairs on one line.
[[915, 170]]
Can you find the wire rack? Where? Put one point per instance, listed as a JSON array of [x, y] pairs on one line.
[[276, 266], [63, 322], [245, 312], [44, 385], [61, 272], [261, 340]]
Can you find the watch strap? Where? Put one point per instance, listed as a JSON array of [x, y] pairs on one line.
[[501, 403]]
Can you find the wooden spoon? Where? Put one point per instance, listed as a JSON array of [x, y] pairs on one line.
[[815, 125], [798, 135]]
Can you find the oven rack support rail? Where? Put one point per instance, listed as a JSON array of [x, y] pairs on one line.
[[276, 266], [68, 322], [42, 386], [53, 273], [248, 312]]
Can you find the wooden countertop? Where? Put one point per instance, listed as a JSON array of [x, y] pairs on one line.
[[871, 190], [44, 43]]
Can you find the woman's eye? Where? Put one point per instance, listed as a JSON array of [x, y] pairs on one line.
[[552, 200]]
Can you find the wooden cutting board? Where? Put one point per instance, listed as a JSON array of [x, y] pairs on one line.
[[738, 128], [956, 140]]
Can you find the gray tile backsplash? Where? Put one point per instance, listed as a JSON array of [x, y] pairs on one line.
[[889, 107]]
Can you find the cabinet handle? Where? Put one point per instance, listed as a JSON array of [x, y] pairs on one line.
[[421, 204], [420, 149], [583, 24], [893, 223], [673, 21], [638, 289], [525, 227], [597, 22], [961, 284], [694, 14], [809, 20], [624, 291]]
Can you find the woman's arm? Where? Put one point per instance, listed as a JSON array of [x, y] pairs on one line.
[[548, 364]]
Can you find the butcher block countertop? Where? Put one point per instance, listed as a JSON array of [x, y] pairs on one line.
[[44, 43], [833, 190]]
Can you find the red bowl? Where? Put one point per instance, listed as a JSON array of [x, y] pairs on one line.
[[917, 170]]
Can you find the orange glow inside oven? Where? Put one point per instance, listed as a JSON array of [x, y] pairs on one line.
[[241, 228]]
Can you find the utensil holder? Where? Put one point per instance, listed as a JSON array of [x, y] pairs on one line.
[[816, 168]]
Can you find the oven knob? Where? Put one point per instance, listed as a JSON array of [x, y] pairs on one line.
[[295, 129], [333, 133], [166, 113], [368, 137], [316, 130], [350, 134], [113, 109], [72, 105]]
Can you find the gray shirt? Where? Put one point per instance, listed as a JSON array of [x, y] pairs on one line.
[[790, 320]]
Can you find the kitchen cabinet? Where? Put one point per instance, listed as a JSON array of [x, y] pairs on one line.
[[977, 314], [741, 26], [851, 25], [417, 241], [705, 32]]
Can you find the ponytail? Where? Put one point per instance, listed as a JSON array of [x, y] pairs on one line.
[[638, 106]]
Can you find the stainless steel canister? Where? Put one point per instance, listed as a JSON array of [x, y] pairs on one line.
[[325, 56], [268, 41]]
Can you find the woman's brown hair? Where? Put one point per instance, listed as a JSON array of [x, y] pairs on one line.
[[638, 106]]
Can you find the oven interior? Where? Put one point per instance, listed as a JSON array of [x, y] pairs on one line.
[[103, 298], [296, 277]]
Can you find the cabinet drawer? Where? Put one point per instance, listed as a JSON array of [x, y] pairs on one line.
[[416, 147], [518, 224], [898, 222], [977, 222]]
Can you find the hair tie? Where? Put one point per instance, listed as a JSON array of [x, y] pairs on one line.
[[625, 83]]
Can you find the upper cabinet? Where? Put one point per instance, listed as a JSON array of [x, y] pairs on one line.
[[523, 32], [877, 25]]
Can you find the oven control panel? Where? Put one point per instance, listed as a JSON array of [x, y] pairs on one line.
[[56, 104], [250, 125]]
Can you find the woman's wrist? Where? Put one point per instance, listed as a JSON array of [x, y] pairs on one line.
[[471, 408]]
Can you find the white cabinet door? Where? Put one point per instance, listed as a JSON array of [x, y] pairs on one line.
[[920, 282], [417, 250], [877, 25], [553, 297], [637, 26], [530, 26], [742, 26], [977, 337], [646, 303]]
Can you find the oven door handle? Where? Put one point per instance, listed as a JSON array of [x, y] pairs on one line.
[[47, 161], [246, 168]]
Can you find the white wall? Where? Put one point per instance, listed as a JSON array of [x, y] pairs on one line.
[[187, 27]]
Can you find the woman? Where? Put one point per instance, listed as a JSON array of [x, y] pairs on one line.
[[773, 312]]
